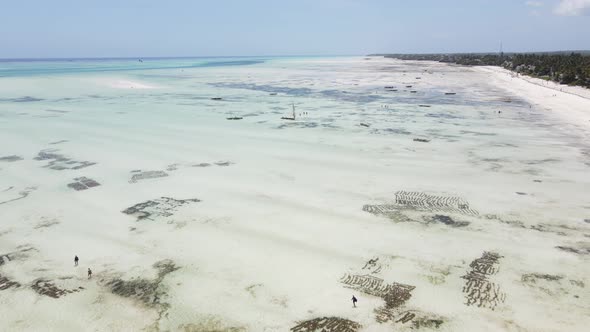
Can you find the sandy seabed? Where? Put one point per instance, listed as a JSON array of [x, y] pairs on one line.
[[455, 199]]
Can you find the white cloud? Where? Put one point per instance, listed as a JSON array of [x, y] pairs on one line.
[[573, 7], [534, 3]]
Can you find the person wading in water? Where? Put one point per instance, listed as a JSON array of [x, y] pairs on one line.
[[76, 259], [89, 273], [354, 300]]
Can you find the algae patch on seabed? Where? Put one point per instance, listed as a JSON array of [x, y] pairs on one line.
[[10, 159], [201, 165], [6, 283], [161, 207], [478, 289], [144, 175], [48, 288], [420, 201], [11, 196], [46, 223], [429, 323], [209, 324], [58, 142], [552, 285], [21, 253], [394, 294], [439, 218], [25, 99], [60, 162], [146, 291], [581, 249], [83, 183], [327, 324]]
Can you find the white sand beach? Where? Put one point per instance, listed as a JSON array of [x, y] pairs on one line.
[[455, 199]]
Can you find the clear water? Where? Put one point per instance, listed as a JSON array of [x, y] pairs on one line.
[[282, 201]]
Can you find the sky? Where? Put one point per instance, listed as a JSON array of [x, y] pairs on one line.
[[152, 28]]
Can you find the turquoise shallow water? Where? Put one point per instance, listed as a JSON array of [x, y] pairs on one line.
[[31, 67]]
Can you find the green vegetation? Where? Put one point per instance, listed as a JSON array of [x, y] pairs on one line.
[[561, 67]]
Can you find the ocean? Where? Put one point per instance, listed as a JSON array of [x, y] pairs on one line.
[[438, 195]]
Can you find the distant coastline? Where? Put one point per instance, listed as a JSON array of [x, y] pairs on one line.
[[563, 67]]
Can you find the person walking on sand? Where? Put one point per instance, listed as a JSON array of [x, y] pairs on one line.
[[76, 259], [89, 273], [354, 300]]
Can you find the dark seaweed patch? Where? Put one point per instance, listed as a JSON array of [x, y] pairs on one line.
[[46, 223], [146, 291], [58, 142], [209, 324], [429, 323], [394, 294], [10, 159], [201, 165], [579, 251], [6, 283], [478, 289], [25, 99], [144, 175], [161, 207], [60, 162], [327, 324], [533, 277], [21, 253], [439, 218], [420, 201], [83, 183], [47, 288]]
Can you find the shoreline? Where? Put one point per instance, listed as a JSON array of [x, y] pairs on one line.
[[569, 103], [579, 91]]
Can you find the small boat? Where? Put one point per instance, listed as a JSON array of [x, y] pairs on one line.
[[418, 78], [365, 124], [273, 93], [216, 98], [408, 86], [423, 140], [422, 105], [389, 87], [413, 91], [290, 117], [450, 93], [235, 118]]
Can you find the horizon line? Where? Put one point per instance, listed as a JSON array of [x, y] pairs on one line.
[[275, 56]]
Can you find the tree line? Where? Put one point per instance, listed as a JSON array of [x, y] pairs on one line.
[[564, 68]]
